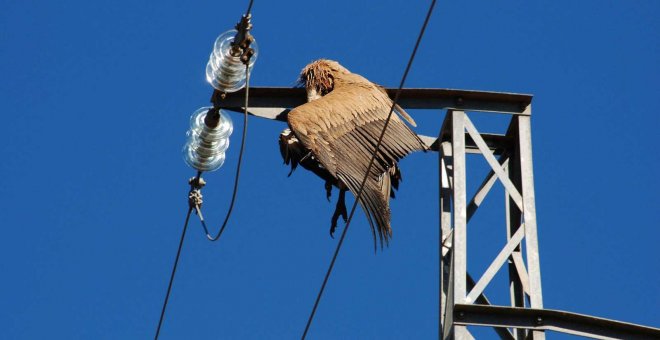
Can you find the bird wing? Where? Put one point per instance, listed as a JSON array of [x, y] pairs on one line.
[[342, 129]]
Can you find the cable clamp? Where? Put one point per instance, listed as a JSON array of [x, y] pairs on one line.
[[195, 195], [241, 44]]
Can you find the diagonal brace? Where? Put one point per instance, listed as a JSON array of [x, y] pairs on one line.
[[485, 151], [477, 199], [496, 264]]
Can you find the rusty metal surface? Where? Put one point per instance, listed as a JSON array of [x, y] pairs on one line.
[[410, 98]]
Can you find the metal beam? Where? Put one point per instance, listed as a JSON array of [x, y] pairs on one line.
[[529, 211], [495, 265], [551, 320], [476, 200], [410, 98], [510, 188], [513, 222], [503, 332], [518, 262], [459, 243], [497, 143], [484, 188], [445, 226]]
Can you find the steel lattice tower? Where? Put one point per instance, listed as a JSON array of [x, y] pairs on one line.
[[509, 154]]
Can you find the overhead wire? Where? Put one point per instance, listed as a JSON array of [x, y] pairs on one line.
[[238, 167], [193, 204], [197, 208], [176, 262], [366, 175]]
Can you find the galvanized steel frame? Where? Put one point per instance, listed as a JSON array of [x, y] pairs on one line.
[[462, 301], [514, 170]]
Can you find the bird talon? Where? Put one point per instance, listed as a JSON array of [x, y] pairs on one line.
[[344, 215], [333, 224], [328, 190]]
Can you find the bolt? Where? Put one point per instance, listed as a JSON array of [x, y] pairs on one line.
[[460, 315], [539, 320]]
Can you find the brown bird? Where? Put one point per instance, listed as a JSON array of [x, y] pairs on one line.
[[335, 134]]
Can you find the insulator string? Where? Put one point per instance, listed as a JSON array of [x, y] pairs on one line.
[[195, 186], [238, 167]]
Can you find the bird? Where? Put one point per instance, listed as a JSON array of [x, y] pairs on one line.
[[335, 133]]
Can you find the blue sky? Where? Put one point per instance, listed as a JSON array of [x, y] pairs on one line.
[[96, 98]]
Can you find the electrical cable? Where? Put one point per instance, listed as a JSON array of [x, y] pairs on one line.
[[176, 262], [195, 204], [371, 162], [238, 167], [198, 209]]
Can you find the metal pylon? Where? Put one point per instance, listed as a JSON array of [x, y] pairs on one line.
[[463, 301], [514, 170]]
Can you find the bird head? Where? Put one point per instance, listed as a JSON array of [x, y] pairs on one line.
[[319, 77]]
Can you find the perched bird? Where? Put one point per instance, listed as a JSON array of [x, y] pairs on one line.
[[335, 134]]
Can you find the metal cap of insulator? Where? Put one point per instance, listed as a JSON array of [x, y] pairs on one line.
[[206, 145], [225, 71]]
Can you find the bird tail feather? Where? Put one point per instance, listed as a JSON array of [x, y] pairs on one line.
[[375, 204]]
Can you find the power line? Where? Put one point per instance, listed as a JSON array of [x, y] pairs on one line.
[[238, 167], [176, 262], [195, 197], [366, 175]]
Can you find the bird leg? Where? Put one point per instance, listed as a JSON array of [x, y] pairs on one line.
[[328, 190], [340, 210]]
